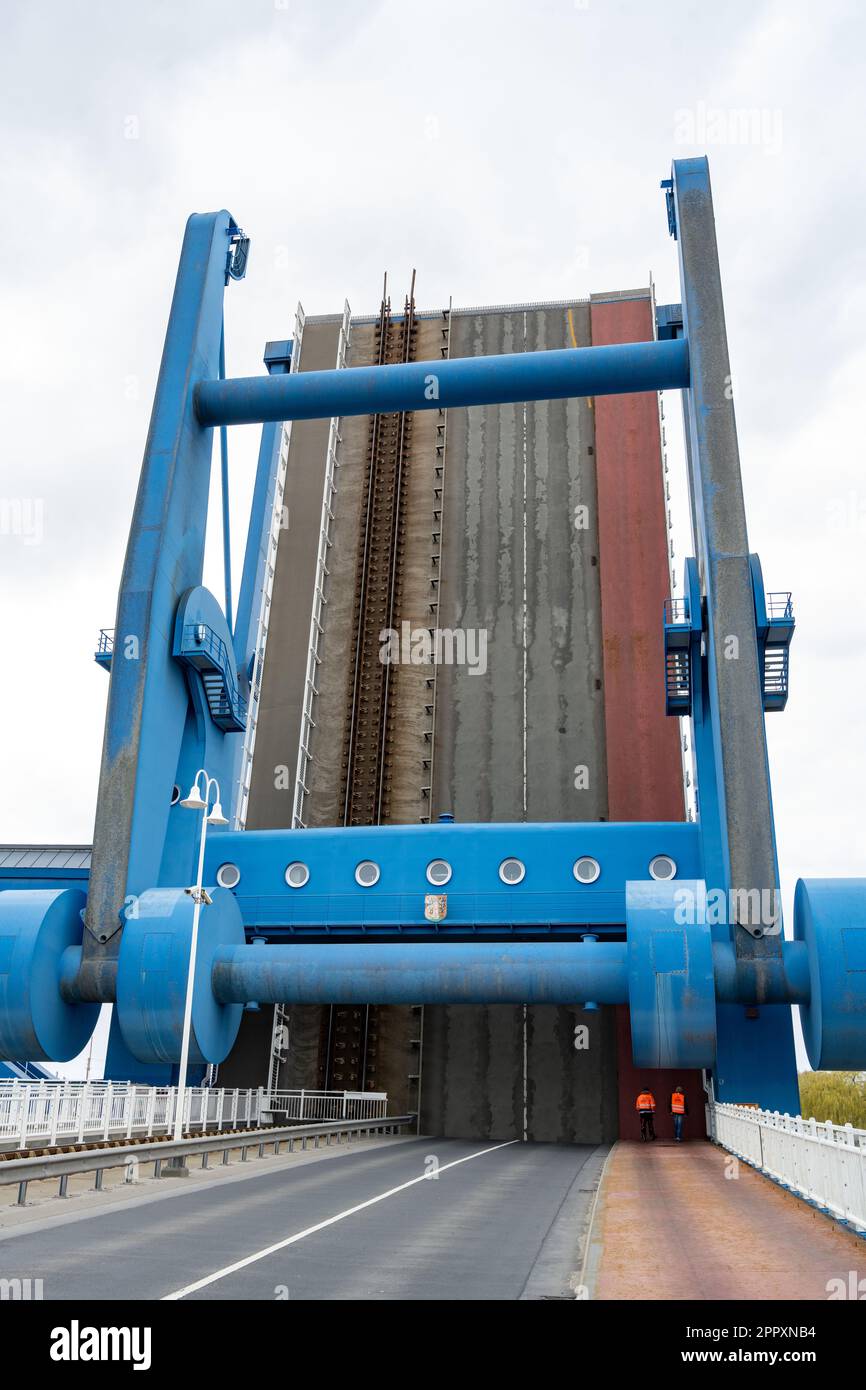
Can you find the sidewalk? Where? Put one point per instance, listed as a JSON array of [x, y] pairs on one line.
[[670, 1225]]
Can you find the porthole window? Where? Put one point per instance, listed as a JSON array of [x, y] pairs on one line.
[[512, 871], [662, 867], [228, 875], [586, 869], [175, 795], [297, 875], [438, 872], [367, 873]]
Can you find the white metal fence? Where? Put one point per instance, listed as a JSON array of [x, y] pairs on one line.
[[55, 1113], [822, 1162], [327, 1105]]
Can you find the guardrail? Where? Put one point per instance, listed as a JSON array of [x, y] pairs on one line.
[[821, 1162], [131, 1156], [56, 1112]]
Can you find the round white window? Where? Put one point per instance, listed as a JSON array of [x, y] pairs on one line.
[[662, 867], [586, 869], [438, 872], [367, 873], [512, 871], [297, 875], [228, 875]]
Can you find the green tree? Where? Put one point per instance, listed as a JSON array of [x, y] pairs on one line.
[[839, 1096]]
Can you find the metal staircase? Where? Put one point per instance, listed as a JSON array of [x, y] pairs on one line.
[[204, 651], [678, 662], [774, 626], [775, 630]]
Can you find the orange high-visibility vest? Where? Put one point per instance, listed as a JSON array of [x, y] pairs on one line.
[[645, 1101], [678, 1104]]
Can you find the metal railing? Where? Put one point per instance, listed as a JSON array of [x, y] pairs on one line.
[[332, 463], [780, 605], [821, 1162], [327, 1105], [676, 612], [201, 637], [106, 641], [47, 1113]]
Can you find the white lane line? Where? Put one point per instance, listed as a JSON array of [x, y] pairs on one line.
[[322, 1225]]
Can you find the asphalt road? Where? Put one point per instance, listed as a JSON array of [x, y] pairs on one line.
[[499, 1222]]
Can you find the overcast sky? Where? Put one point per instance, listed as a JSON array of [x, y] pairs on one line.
[[509, 151]]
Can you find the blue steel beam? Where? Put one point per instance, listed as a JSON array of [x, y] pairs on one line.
[[278, 361], [148, 700], [522, 376], [535, 973], [735, 800], [734, 697], [476, 973]]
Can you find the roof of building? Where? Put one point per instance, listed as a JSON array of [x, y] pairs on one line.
[[45, 856]]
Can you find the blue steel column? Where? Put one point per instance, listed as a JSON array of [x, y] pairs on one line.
[[734, 703], [148, 701], [278, 358], [226, 500]]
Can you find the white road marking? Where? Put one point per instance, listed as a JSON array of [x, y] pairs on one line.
[[322, 1225]]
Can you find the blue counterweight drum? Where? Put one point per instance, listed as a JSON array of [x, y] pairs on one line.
[[671, 983], [830, 917], [37, 928], [152, 975]]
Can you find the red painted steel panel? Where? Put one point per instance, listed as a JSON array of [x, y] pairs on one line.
[[644, 771], [644, 778]]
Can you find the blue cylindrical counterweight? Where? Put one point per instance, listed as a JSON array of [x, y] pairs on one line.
[[608, 370], [152, 975], [671, 979], [830, 917], [37, 927]]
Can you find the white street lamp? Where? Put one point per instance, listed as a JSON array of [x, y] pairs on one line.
[[194, 801]]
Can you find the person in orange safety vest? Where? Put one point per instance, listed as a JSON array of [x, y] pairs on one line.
[[679, 1110], [645, 1105]]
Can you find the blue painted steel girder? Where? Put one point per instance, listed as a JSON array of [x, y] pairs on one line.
[[148, 701], [522, 376], [547, 897]]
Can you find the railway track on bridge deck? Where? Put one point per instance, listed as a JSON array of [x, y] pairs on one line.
[[366, 769], [355, 1034]]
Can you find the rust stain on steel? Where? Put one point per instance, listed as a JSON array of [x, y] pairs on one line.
[[672, 1226]]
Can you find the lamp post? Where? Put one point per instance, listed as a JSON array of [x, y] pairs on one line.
[[194, 801]]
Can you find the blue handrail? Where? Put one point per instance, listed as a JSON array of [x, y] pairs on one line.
[[203, 638]]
